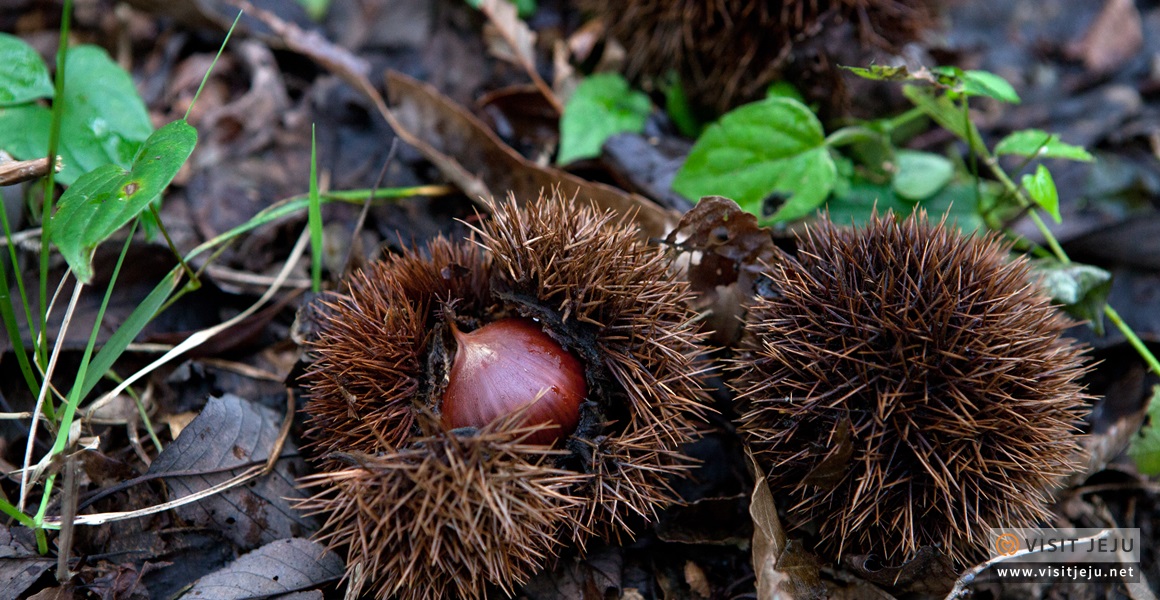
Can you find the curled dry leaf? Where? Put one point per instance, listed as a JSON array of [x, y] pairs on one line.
[[520, 43], [732, 250], [929, 573], [784, 571]]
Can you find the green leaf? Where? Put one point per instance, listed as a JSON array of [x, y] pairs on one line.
[[1145, 446], [976, 83], [602, 106], [104, 119], [141, 316], [678, 106], [315, 8], [1041, 188], [984, 83], [23, 76], [857, 202], [105, 199], [1035, 143], [775, 146], [921, 175], [881, 73], [946, 113], [1081, 289], [784, 89]]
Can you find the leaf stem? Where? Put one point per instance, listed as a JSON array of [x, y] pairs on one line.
[[1017, 192], [193, 280]]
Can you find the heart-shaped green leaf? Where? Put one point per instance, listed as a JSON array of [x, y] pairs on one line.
[[767, 148], [104, 120], [23, 76]]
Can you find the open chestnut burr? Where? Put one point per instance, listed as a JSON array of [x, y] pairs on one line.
[[476, 406]]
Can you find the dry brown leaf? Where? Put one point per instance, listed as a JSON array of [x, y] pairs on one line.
[[1115, 36], [733, 250], [929, 573], [783, 571], [520, 43], [476, 160], [695, 578]]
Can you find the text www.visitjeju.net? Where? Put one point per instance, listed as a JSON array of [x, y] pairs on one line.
[[1085, 572]]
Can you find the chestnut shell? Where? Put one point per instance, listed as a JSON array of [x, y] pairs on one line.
[[510, 366]]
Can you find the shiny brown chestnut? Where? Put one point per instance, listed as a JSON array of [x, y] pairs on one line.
[[512, 365]]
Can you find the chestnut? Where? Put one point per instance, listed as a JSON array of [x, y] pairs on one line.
[[510, 366]]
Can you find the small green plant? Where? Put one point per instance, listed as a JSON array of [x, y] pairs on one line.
[[602, 106], [776, 149], [1145, 448], [122, 190]]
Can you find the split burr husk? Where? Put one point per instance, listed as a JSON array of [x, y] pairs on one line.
[[423, 511]]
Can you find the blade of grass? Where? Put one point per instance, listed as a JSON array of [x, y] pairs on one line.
[[127, 332], [8, 311], [74, 396], [13, 512], [40, 400], [49, 188], [314, 220], [205, 77]]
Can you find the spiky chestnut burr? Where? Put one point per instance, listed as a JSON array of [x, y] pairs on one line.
[[401, 487], [728, 52], [908, 386]]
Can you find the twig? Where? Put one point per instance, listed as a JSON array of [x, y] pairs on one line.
[[25, 170]]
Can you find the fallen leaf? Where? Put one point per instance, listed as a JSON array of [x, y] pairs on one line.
[[695, 578], [1114, 37], [20, 565], [930, 572], [520, 43], [733, 250], [591, 578], [721, 521], [279, 567], [479, 163], [229, 435], [784, 571]]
